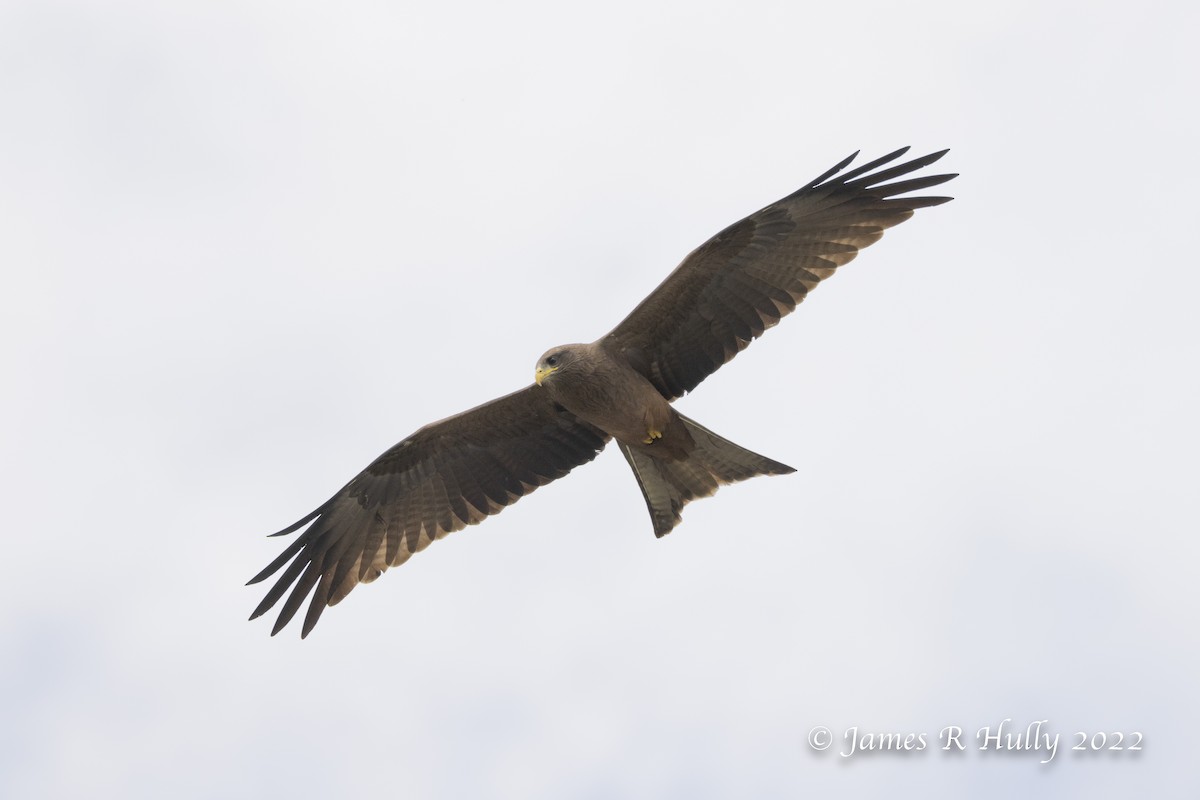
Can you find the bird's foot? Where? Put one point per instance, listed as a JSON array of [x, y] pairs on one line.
[[651, 435]]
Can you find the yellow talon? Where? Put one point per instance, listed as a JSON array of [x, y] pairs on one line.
[[651, 435]]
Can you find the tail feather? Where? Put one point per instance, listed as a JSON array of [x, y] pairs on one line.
[[670, 485]]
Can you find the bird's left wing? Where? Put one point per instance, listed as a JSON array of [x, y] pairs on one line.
[[750, 275], [447, 475]]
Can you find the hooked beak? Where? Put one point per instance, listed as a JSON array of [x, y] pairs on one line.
[[540, 374]]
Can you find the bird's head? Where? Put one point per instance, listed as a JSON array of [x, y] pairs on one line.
[[553, 360]]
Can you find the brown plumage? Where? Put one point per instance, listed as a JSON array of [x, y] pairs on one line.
[[456, 472]]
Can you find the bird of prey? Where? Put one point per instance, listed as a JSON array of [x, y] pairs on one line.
[[724, 294]]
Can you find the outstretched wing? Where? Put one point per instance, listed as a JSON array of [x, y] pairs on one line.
[[750, 275], [446, 476]]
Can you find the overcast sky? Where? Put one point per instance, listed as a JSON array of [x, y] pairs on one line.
[[248, 246]]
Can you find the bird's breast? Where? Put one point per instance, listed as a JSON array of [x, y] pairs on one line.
[[614, 398]]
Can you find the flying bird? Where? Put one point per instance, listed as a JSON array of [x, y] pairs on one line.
[[725, 293]]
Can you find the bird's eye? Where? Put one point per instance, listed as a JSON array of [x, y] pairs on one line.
[[552, 361]]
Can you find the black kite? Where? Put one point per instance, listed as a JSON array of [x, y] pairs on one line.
[[456, 472]]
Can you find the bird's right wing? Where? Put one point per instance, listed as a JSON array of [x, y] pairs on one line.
[[447, 475]]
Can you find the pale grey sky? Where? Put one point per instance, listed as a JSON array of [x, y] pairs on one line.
[[248, 246]]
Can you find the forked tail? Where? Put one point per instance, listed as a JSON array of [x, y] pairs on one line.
[[669, 485]]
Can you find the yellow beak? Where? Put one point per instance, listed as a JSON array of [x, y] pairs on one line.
[[540, 374]]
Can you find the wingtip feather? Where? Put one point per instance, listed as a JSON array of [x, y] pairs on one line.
[[834, 170], [295, 526]]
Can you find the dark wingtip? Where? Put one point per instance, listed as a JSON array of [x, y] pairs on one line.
[[892, 156], [863, 169], [262, 608], [262, 576], [834, 170], [298, 524]]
